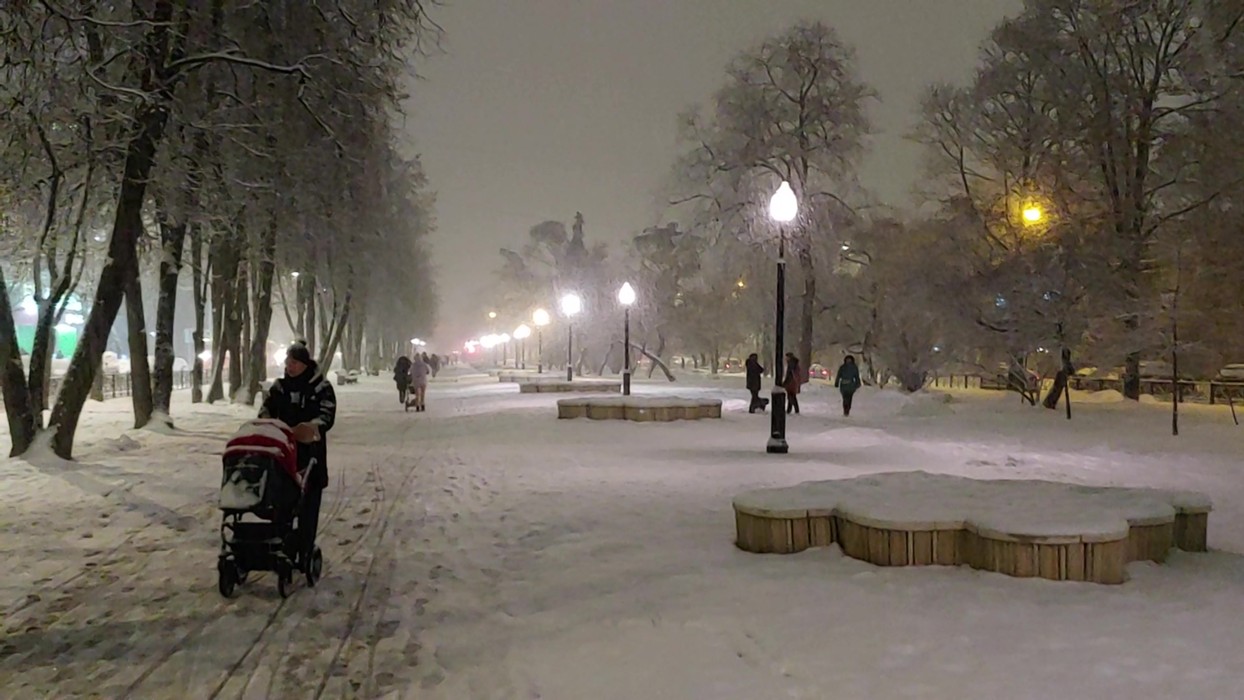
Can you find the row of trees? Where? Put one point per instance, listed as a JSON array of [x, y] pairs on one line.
[[1074, 185], [248, 144]]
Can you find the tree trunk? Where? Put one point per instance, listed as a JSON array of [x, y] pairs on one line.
[[306, 304], [122, 253], [200, 303], [239, 352], [172, 245], [1131, 376], [331, 343], [222, 312], [40, 359], [140, 371], [17, 401], [807, 310], [263, 314]]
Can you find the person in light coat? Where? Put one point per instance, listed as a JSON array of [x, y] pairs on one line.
[[419, 371]]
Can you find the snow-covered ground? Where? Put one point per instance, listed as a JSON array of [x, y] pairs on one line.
[[485, 549]]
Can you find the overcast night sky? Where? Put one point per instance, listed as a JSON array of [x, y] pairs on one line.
[[539, 108]]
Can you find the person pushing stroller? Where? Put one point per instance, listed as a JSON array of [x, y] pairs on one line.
[[304, 399], [419, 371]]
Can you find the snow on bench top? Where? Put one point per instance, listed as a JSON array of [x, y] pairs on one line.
[[554, 379], [640, 402], [923, 501]]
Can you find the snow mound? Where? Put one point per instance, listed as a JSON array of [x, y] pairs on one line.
[[925, 404], [123, 443], [923, 501], [1100, 397], [640, 402]]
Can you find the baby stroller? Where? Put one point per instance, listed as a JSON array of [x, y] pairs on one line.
[[262, 479]]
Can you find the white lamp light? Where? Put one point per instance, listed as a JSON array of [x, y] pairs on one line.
[[783, 207], [540, 317], [522, 332], [571, 304], [626, 295]]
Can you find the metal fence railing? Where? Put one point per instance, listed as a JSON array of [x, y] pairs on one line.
[[1211, 391], [116, 385]]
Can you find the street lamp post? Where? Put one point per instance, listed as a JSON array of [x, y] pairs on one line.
[[541, 318], [571, 305], [626, 297], [521, 334], [783, 208]]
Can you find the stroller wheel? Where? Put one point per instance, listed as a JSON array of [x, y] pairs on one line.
[[315, 567], [227, 579], [284, 583]]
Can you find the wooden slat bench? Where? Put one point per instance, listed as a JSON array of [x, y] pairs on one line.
[[782, 521]]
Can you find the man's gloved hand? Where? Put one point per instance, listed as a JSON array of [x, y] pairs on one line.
[[307, 432]]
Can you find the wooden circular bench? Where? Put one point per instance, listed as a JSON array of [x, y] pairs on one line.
[[550, 385], [1062, 532], [639, 408]]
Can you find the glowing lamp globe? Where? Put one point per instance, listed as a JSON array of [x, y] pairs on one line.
[[522, 332], [783, 207], [626, 295], [1032, 214], [540, 317], [571, 304]]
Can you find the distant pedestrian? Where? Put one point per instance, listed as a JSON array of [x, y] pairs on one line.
[[794, 379], [435, 364], [419, 370], [754, 373], [401, 376], [848, 382]]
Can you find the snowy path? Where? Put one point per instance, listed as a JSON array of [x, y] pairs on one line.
[[486, 550]]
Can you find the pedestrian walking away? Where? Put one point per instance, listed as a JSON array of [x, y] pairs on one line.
[[754, 373], [848, 382], [795, 378], [401, 377], [419, 371], [304, 400]]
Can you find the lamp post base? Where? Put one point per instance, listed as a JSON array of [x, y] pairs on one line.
[[777, 425], [626, 383]]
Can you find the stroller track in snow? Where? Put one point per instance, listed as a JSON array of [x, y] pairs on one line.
[[336, 506]]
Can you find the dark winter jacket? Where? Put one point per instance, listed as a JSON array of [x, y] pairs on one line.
[[754, 373], [307, 398], [848, 379], [401, 371], [794, 378]]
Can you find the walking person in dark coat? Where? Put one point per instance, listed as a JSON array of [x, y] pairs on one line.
[[754, 374], [401, 376], [794, 379], [304, 400], [848, 382]]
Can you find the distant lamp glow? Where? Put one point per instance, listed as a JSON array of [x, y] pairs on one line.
[[540, 317], [492, 314], [522, 332], [1032, 214], [783, 207], [571, 304], [295, 274], [626, 295]]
